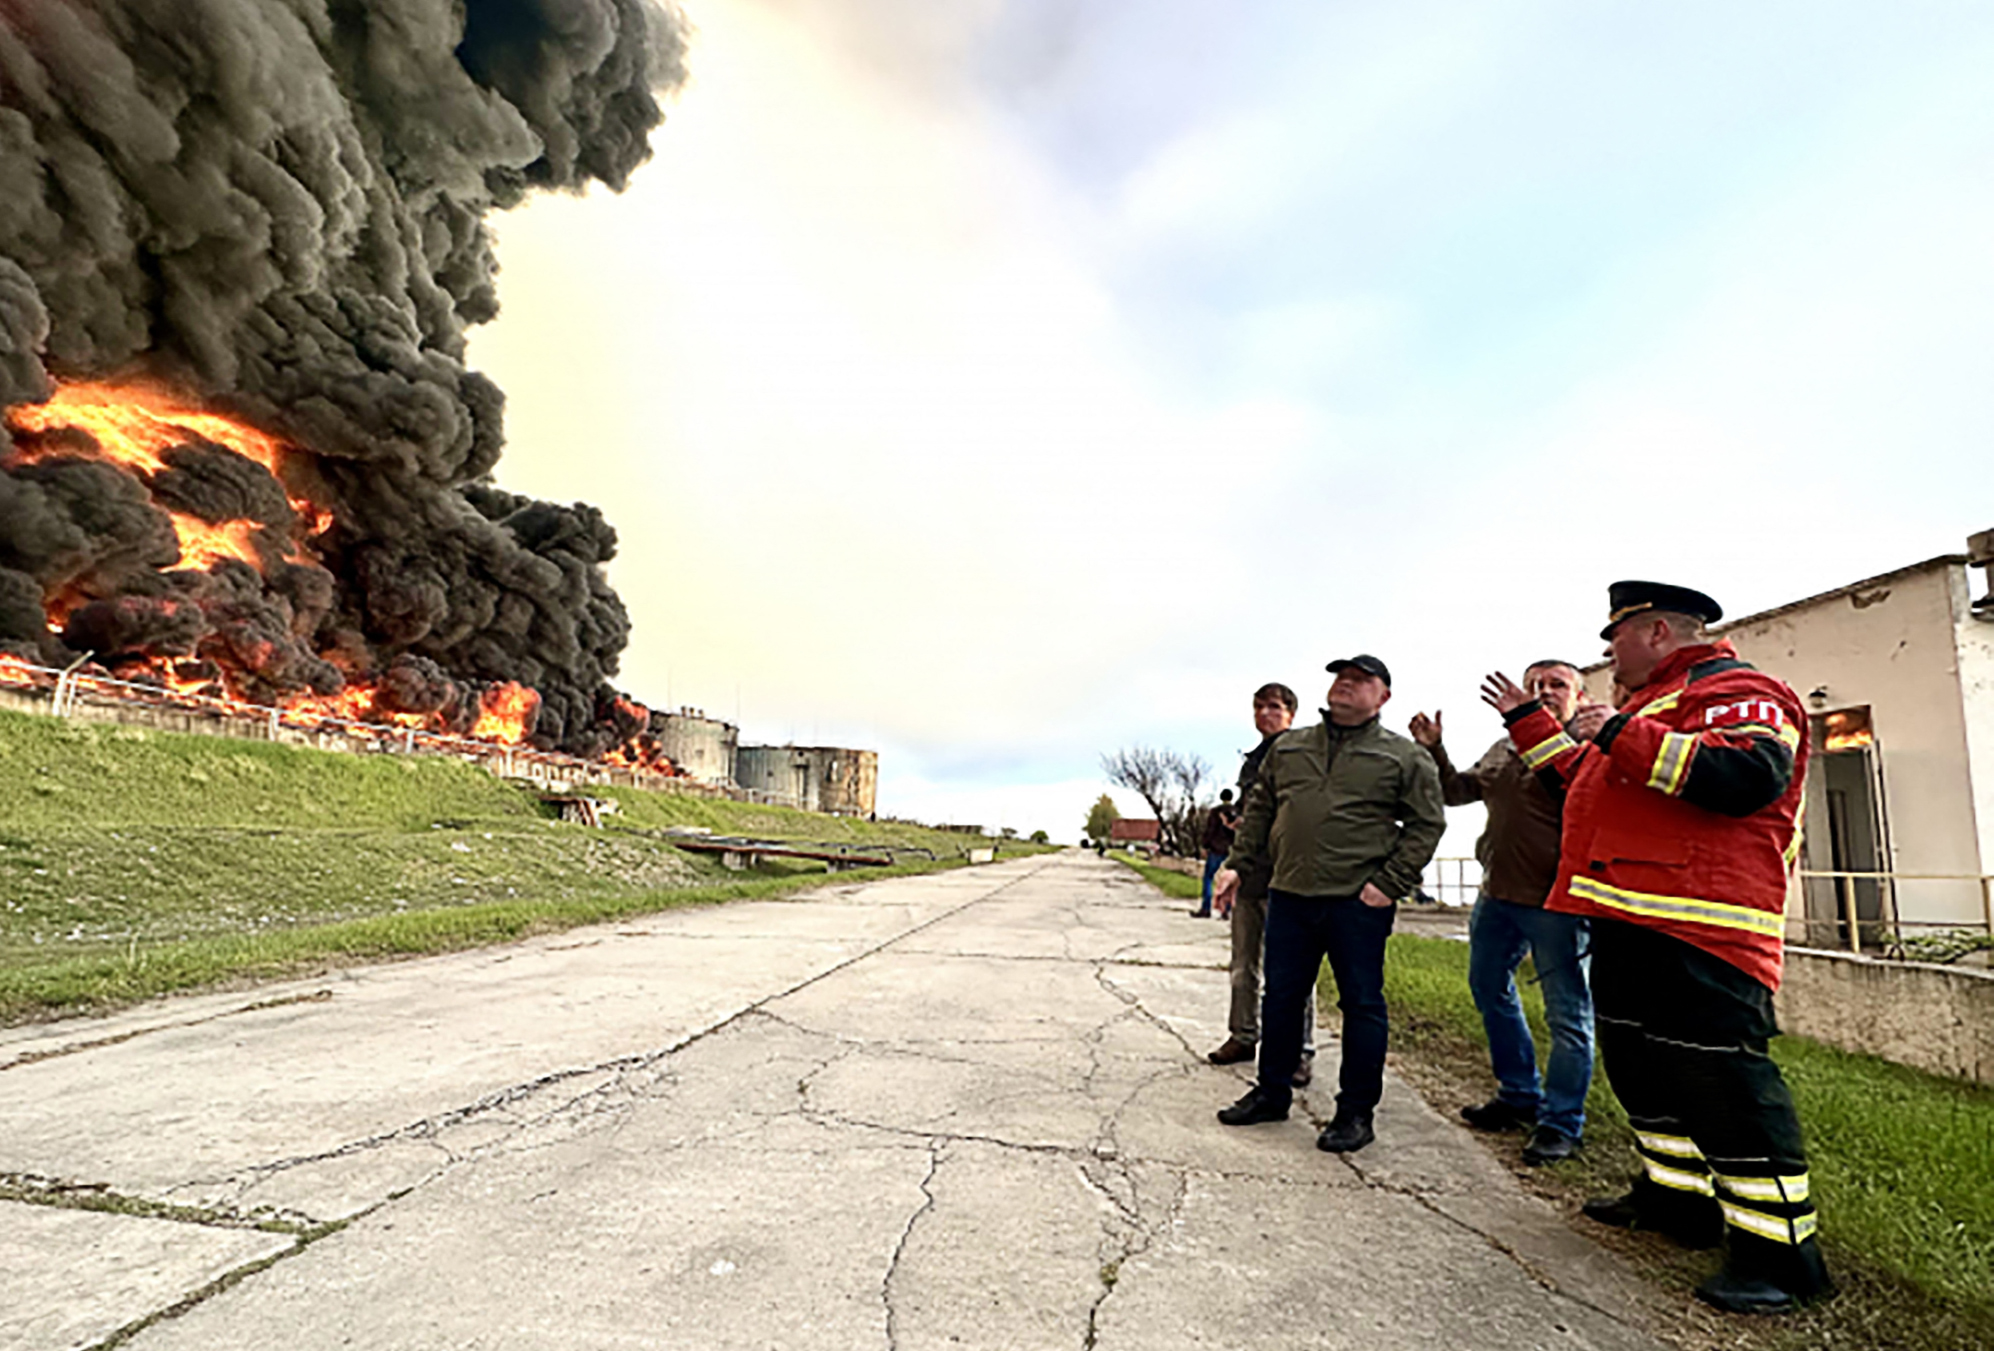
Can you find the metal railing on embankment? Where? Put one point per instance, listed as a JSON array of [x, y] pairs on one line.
[[1864, 911], [1852, 911]]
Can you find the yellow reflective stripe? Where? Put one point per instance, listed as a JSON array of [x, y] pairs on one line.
[[1661, 705], [1769, 1226], [1679, 1146], [1672, 762], [1550, 749], [1793, 846], [1686, 909], [1676, 1179], [1789, 1190], [1789, 734]]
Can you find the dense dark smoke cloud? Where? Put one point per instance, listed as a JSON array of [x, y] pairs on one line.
[[278, 207]]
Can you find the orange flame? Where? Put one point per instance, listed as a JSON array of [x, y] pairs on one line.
[[202, 545], [135, 423], [505, 713]]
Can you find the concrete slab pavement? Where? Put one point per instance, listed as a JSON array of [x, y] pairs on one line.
[[967, 1110]]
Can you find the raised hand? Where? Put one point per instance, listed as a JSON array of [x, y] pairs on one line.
[[1502, 694], [1425, 730]]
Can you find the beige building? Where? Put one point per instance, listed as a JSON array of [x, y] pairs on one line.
[[1897, 672]]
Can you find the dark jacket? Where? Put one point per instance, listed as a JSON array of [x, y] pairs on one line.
[[1253, 872], [1334, 808]]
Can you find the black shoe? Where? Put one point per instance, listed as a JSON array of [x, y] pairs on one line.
[[1497, 1115], [1304, 1072], [1745, 1294], [1700, 1226], [1346, 1134], [1201, 914], [1231, 1051], [1253, 1109], [1549, 1145]]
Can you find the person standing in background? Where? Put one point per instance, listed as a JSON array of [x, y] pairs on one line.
[[1217, 843]]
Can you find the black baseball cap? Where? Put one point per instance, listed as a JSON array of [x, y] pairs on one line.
[[1631, 598], [1366, 663]]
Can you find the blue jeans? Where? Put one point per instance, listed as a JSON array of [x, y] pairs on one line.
[[1301, 931], [1213, 862], [1499, 935]]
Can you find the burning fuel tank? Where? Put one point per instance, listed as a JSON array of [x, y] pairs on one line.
[[240, 449]]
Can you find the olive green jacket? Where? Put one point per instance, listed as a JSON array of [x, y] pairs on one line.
[[1334, 808]]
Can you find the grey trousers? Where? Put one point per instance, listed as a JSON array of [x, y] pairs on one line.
[[1249, 948]]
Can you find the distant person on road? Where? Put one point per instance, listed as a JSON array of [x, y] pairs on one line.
[[1349, 814], [1217, 841], [1274, 707], [1682, 822], [1518, 852]]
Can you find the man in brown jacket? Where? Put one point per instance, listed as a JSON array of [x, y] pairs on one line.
[[1519, 857]]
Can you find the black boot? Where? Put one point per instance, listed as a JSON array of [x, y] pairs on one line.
[[1692, 1220], [1760, 1276]]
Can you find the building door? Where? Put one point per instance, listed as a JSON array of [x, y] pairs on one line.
[[1850, 831]]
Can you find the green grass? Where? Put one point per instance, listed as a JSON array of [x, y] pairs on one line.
[[55, 773], [1166, 880], [1902, 1164], [134, 862]]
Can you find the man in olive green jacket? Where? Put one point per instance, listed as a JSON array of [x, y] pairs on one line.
[[1349, 814]]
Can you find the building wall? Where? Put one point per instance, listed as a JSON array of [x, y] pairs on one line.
[[1974, 644]]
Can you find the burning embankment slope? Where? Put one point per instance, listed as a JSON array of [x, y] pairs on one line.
[[241, 242]]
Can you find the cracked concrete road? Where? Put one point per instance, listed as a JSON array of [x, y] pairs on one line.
[[966, 1110]]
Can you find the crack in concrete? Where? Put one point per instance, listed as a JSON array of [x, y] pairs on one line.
[[1531, 1272], [1134, 1001], [57, 1194], [426, 1129], [119, 1039], [900, 1246]]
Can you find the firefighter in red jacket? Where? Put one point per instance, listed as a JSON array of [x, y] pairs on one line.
[[1682, 823]]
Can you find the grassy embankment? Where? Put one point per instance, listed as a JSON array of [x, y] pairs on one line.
[[133, 863], [1902, 1165]]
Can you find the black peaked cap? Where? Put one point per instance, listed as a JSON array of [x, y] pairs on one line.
[[1630, 598]]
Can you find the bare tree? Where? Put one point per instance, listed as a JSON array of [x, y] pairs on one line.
[[1170, 784]]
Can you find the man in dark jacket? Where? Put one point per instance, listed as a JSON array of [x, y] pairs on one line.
[[1349, 813], [1518, 852], [1274, 707], [1217, 842]]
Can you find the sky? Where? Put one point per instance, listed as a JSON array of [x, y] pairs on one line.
[[998, 383]]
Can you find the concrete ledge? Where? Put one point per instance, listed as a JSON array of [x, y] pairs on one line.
[[1934, 1018]]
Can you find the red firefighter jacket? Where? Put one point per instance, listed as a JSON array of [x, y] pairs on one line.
[[1683, 814]]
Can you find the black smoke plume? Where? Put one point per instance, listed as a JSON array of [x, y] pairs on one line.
[[277, 209]]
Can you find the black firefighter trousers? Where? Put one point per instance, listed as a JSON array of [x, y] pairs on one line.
[[1683, 1035]]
